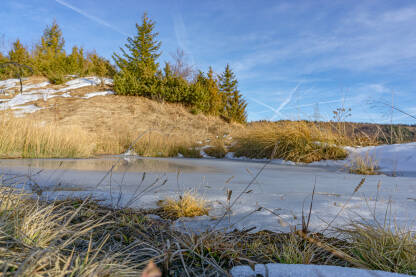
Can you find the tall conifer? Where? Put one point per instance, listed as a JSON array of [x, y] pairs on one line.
[[234, 105], [138, 61]]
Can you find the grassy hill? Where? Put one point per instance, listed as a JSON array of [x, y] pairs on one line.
[[82, 118]]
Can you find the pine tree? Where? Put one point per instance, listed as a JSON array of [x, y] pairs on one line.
[[214, 93], [50, 58], [99, 66], [52, 41], [142, 50], [234, 106], [19, 54], [76, 63], [4, 72], [138, 62]]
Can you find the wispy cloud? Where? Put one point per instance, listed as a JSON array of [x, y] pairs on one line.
[[181, 35], [91, 17]]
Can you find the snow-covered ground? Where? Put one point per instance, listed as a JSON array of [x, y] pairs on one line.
[[22, 103], [394, 159]]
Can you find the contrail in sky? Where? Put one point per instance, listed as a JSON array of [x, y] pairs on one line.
[[91, 17], [281, 106]]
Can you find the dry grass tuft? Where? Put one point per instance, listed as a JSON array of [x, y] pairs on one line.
[[217, 150], [187, 205], [366, 165], [294, 141], [380, 247]]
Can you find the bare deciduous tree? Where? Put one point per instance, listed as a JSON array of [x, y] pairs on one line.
[[181, 67]]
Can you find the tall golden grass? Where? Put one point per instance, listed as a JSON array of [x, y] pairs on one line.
[[26, 138], [295, 141], [30, 138]]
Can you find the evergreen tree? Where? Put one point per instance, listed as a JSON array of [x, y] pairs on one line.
[[215, 104], [4, 72], [99, 66], [52, 41], [19, 54], [50, 58], [138, 62], [76, 63], [199, 97], [234, 106]]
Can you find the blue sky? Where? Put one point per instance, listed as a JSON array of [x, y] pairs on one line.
[[294, 59]]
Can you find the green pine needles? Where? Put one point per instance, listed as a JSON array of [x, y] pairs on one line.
[[139, 75], [48, 58]]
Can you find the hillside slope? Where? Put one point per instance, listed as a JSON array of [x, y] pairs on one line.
[[83, 104]]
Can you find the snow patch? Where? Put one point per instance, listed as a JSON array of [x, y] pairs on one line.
[[300, 270], [8, 84], [99, 93], [34, 92]]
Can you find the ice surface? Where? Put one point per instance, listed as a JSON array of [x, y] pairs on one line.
[[280, 190]]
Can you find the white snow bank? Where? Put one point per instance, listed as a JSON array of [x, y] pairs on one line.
[[397, 159], [20, 111], [300, 270], [34, 92], [99, 93], [85, 82], [8, 84], [39, 85]]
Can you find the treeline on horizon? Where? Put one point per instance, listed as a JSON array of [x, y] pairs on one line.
[[136, 72]]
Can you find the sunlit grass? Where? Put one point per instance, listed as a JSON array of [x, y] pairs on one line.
[[293, 141], [188, 204]]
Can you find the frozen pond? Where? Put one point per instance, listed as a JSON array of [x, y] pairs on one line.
[[280, 189]]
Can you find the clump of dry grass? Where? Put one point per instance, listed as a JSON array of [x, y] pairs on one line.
[[294, 141], [189, 204], [366, 165], [28, 138], [381, 247], [41, 239], [217, 150]]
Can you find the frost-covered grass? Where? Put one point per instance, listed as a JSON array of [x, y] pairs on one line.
[[82, 238]]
